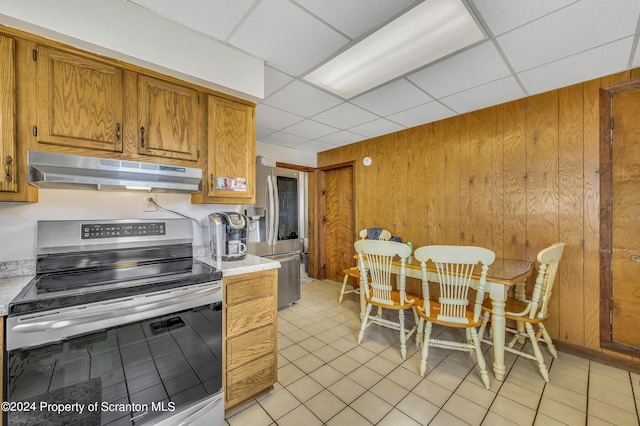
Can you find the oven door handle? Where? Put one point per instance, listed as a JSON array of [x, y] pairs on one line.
[[73, 320]]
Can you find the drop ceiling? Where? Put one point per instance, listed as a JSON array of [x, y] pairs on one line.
[[531, 47]]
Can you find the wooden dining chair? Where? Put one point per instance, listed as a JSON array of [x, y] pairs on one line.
[[375, 262], [353, 272], [455, 266], [532, 312]]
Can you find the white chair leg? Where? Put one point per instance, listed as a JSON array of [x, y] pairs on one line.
[[536, 351], [485, 321], [548, 341], [425, 348], [480, 358], [364, 322], [418, 326], [403, 336]]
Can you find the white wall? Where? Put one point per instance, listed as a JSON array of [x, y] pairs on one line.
[[18, 220], [285, 154]]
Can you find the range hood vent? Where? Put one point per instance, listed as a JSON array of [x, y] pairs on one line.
[[64, 171]]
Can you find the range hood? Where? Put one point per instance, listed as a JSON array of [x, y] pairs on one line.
[[64, 171]]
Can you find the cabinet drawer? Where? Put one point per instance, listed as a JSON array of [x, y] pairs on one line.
[[249, 346], [249, 380], [243, 288], [250, 315]]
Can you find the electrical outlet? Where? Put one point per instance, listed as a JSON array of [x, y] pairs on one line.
[[147, 205]]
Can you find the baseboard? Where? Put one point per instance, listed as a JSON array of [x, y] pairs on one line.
[[595, 355]]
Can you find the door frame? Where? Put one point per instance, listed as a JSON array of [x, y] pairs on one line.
[[606, 234], [320, 223]]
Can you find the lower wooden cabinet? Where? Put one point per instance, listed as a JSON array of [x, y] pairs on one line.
[[250, 351]]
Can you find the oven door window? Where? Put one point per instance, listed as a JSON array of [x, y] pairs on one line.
[[123, 375]]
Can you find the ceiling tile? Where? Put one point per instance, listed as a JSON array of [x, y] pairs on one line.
[[262, 132], [356, 17], [274, 80], [427, 113], [493, 93], [393, 97], [576, 28], [285, 36], [280, 138], [302, 99], [310, 129], [273, 118], [315, 146], [608, 59], [377, 127], [341, 138], [473, 67], [505, 15], [344, 116], [215, 18]]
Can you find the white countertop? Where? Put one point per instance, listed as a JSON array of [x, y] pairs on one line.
[[10, 287]]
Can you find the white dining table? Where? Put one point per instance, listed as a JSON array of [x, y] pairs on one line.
[[502, 275]]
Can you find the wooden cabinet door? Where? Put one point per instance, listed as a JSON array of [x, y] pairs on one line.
[[168, 121], [8, 163], [79, 101], [231, 152]]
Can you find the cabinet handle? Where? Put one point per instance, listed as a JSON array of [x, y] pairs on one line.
[[211, 183], [8, 161], [142, 137], [117, 133]]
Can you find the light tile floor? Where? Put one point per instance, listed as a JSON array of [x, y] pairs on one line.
[[324, 377]]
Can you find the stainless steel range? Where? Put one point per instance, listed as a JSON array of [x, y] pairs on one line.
[[120, 326]]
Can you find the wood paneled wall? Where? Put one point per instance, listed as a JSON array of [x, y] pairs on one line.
[[515, 178]]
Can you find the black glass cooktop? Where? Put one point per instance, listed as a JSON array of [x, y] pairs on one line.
[[55, 290]]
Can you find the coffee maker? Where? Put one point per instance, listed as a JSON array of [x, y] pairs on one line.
[[228, 236]]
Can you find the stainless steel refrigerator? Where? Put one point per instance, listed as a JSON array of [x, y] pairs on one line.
[[274, 224]]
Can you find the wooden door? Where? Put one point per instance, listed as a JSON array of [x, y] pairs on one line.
[[168, 122], [8, 163], [339, 219], [625, 216], [231, 152], [79, 101]]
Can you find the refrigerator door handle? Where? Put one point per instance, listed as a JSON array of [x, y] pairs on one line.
[[270, 211], [276, 219]]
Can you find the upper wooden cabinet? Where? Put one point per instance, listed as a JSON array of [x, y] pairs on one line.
[[8, 162], [229, 175], [79, 101], [168, 119]]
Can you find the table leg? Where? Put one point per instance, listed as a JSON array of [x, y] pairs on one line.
[[498, 294], [520, 293]]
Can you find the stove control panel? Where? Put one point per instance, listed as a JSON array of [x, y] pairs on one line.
[[119, 230]]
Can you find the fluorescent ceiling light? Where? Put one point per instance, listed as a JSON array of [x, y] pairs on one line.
[[429, 31]]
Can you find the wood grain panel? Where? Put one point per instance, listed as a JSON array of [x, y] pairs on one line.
[[246, 381], [251, 346], [571, 209], [591, 230], [497, 181], [8, 160], [515, 180], [80, 101], [475, 201], [249, 315], [339, 222], [449, 182]]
